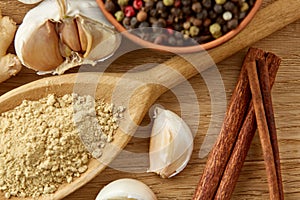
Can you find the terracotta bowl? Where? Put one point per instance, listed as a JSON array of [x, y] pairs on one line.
[[178, 49]]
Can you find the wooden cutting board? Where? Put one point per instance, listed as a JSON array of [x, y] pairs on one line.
[[252, 182]]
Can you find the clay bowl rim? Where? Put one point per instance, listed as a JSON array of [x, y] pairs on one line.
[[186, 49]]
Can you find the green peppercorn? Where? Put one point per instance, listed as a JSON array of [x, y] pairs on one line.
[[119, 15], [244, 7], [123, 2], [185, 33], [194, 31], [215, 30], [168, 2], [220, 2]]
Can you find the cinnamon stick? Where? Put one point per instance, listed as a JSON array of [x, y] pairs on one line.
[[247, 132], [267, 100], [263, 130], [234, 117]]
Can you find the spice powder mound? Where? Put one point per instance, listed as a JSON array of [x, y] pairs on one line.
[[48, 142]]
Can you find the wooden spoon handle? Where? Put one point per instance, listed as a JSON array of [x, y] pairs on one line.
[[267, 20]]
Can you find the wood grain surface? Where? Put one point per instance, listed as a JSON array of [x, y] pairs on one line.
[[252, 183]]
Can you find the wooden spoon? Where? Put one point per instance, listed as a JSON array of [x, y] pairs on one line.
[[138, 90]]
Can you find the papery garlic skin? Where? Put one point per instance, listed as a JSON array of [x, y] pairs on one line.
[[126, 189], [100, 38], [171, 144]]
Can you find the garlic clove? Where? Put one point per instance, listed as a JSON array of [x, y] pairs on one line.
[[126, 189], [82, 36], [99, 39], [42, 49], [171, 144], [30, 1], [69, 34]]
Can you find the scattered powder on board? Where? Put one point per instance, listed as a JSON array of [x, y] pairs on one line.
[[48, 142]]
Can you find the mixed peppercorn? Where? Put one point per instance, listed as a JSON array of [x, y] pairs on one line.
[[175, 22]]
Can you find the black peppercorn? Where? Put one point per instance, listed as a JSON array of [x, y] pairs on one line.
[[186, 10], [212, 15], [218, 8], [160, 39], [240, 2], [144, 25], [196, 7], [204, 38], [110, 6], [251, 2], [178, 35], [242, 15], [179, 42], [160, 6], [177, 27], [149, 5], [164, 15], [207, 22], [126, 21], [172, 41], [176, 12], [202, 15], [170, 19], [152, 20], [229, 6], [206, 3], [186, 2], [153, 12], [162, 22], [220, 20], [224, 28], [232, 24], [197, 22], [133, 22]]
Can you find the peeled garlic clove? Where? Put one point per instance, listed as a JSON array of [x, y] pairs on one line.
[[42, 48], [126, 189], [80, 28], [171, 144]]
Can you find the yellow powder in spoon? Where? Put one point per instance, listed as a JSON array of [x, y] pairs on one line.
[[48, 142]]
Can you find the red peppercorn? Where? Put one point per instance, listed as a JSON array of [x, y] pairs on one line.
[[177, 3], [170, 30], [129, 11], [138, 4]]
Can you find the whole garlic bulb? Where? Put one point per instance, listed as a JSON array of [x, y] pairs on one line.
[[57, 35], [171, 144], [126, 189]]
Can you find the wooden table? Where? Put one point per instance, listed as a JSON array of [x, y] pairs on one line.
[[252, 182]]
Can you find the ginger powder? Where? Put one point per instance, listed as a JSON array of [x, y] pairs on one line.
[[48, 142]]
